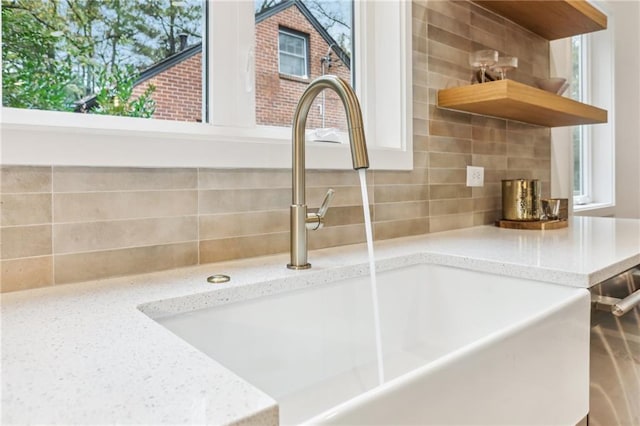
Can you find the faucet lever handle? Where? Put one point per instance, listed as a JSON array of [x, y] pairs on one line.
[[322, 211], [315, 220]]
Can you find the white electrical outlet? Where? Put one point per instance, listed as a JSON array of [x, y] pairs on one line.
[[475, 176]]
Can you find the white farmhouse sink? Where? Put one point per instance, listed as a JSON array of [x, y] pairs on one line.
[[460, 347]]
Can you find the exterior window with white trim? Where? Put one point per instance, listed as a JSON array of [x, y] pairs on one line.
[[293, 53], [233, 122]]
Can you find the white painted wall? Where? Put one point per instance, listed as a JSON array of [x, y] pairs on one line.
[[627, 87]]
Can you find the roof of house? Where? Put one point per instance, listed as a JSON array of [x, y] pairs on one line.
[[90, 102]]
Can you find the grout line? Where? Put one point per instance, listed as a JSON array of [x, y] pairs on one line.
[[53, 221], [126, 219], [111, 249], [198, 216]]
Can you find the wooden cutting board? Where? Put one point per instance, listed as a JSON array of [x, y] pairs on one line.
[[533, 225]]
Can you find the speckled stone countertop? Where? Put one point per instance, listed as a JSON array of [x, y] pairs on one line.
[[90, 353]]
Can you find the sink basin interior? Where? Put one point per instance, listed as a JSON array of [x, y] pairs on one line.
[[313, 349]]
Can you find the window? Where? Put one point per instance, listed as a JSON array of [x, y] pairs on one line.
[[580, 135], [292, 53], [134, 59], [232, 132], [591, 71]]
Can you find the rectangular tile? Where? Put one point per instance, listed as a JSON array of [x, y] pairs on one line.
[[488, 190], [242, 247], [494, 176], [400, 228], [488, 134], [528, 163], [542, 151], [401, 211], [489, 148], [439, 192], [25, 209], [325, 178], [420, 159], [439, 81], [101, 264], [439, 160], [451, 206], [449, 116], [101, 206], [519, 174], [497, 162], [449, 222], [106, 235], [241, 200], [20, 179], [420, 143], [526, 150], [488, 39], [485, 19], [440, 66], [443, 128], [486, 122], [395, 193], [418, 42], [446, 53], [420, 94], [420, 126], [421, 109], [486, 218], [87, 179], [487, 204], [452, 145], [243, 178], [388, 177], [26, 273], [243, 223], [336, 236], [343, 196], [25, 241], [348, 215], [447, 176], [448, 38], [457, 11]]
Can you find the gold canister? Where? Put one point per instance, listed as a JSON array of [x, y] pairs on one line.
[[521, 199]]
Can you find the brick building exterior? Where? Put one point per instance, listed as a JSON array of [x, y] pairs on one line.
[[178, 79]]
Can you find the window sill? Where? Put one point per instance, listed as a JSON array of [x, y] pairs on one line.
[[594, 209], [295, 78], [93, 140]]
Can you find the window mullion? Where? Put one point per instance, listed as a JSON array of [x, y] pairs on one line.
[[231, 64]]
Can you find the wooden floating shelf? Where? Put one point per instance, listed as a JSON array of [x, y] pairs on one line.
[[516, 101], [551, 19]]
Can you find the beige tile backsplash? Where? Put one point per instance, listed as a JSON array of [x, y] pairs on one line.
[[70, 224]]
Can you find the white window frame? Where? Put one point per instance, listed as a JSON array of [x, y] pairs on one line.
[[304, 56], [586, 161], [232, 139], [600, 138]]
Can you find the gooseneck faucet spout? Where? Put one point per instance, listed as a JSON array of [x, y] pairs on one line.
[[300, 220]]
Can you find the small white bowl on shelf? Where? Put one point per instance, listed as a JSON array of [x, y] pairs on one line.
[[555, 85]]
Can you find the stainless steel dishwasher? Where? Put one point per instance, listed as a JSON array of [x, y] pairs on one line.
[[615, 351]]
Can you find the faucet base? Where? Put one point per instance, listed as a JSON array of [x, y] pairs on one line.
[[290, 266]]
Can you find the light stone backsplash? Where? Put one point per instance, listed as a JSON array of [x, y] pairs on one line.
[[68, 224]]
